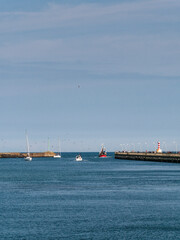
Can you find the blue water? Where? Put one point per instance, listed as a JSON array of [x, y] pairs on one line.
[[93, 199]]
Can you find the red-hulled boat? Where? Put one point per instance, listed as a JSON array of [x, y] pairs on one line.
[[103, 152]]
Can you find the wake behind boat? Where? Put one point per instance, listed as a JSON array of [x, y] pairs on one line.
[[103, 152]]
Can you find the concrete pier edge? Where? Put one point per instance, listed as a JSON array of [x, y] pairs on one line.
[[23, 155], [149, 156]]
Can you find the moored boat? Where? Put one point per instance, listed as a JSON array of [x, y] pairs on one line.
[[59, 154], [78, 158], [103, 152], [28, 157]]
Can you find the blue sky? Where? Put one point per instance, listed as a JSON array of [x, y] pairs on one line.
[[89, 72]]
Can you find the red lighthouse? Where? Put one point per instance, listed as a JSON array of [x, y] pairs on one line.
[[159, 149]]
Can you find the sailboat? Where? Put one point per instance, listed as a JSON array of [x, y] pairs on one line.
[[28, 158], [59, 154]]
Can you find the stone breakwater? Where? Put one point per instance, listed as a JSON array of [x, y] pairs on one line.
[[149, 156], [23, 155]]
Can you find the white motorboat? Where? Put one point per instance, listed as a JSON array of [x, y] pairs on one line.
[[28, 158], [78, 158]]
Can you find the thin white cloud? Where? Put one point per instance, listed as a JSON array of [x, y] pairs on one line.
[[110, 52], [67, 15], [104, 53]]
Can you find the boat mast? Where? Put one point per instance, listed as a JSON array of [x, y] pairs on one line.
[[48, 145], [27, 145], [59, 148]]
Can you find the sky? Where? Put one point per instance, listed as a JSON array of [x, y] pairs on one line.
[[90, 73]]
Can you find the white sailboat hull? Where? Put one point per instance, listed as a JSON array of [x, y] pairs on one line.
[[57, 156], [28, 158]]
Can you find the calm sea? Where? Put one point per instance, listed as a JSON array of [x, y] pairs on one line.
[[93, 199]]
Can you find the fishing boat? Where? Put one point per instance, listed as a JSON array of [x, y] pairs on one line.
[[59, 153], [78, 158], [28, 158], [103, 152]]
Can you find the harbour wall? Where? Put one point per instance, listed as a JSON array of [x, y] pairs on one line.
[[146, 156], [23, 155]]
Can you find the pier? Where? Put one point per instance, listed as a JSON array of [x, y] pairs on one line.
[[23, 155], [149, 156]]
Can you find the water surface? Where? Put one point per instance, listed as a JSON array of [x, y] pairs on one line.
[[94, 199]]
